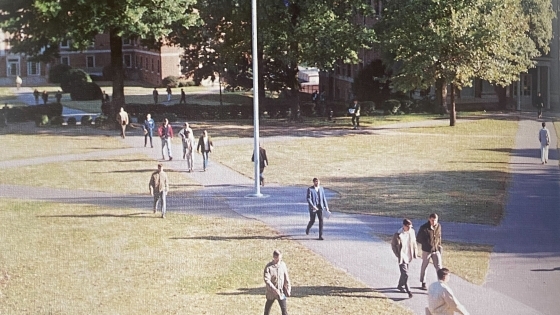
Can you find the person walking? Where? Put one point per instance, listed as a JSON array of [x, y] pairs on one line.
[[19, 81], [354, 111], [204, 146], [317, 202], [155, 95], [148, 126], [277, 282], [36, 94], [263, 162], [539, 105], [441, 299], [122, 120], [45, 97], [405, 248], [168, 90], [159, 187], [187, 137], [429, 237], [183, 97], [165, 132], [544, 139], [58, 96]]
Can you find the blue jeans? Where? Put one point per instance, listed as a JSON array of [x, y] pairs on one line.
[[166, 142], [160, 196], [149, 134], [205, 159]]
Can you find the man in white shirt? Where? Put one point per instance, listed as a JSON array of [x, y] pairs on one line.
[[544, 139], [441, 300], [405, 248], [187, 138]]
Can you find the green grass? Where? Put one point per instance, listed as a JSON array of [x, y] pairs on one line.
[[80, 259], [459, 172]]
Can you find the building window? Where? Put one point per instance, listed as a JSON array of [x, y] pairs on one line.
[[33, 68], [141, 62], [127, 61], [65, 61], [126, 41], [147, 66], [90, 61], [65, 44], [13, 67], [153, 64], [158, 65]]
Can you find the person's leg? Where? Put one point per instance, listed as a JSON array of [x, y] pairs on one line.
[[184, 152], [283, 306], [320, 216], [204, 159], [357, 121], [156, 199], [436, 259], [169, 152], [354, 120], [146, 139], [188, 157], [163, 203], [267, 306], [163, 144], [311, 221], [425, 262], [543, 148], [151, 135]]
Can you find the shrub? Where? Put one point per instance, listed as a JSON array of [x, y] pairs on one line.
[[101, 120], [171, 81], [367, 108], [17, 114], [391, 106], [86, 120], [57, 72], [71, 121], [57, 121], [72, 78], [183, 82], [86, 91]]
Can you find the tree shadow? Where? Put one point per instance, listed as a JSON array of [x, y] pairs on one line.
[[233, 238], [104, 215], [552, 269], [307, 291]]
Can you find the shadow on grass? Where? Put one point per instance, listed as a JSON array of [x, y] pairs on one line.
[[231, 238], [107, 215], [306, 291]]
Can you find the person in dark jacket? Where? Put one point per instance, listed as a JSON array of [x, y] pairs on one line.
[[429, 237], [263, 162]]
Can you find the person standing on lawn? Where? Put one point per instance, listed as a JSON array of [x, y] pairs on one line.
[[405, 248], [263, 162], [165, 132], [159, 186], [277, 282], [183, 97], [354, 111], [155, 95], [429, 236], [317, 202], [122, 120]]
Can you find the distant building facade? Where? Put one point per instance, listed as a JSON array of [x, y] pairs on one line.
[[141, 64]]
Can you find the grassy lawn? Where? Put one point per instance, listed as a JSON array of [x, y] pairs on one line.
[[120, 174], [468, 261], [459, 172], [17, 146], [80, 259]]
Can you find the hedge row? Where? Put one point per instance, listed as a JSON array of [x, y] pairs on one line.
[[31, 113]]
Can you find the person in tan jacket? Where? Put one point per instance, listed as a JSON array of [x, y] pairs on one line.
[[405, 248], [122, 119], [159, 186], [277, 281]]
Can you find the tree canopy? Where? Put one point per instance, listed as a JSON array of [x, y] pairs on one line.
[[37, 27], [441, 42]]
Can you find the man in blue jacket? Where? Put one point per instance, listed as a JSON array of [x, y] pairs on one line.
[[317, 203]]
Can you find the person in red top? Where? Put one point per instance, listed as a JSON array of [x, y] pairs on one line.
[[165, 132]]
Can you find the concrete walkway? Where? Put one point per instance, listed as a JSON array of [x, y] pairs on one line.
[[523, 276]]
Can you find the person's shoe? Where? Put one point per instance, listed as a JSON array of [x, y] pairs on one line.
[[546, 161], [542, 163], [170, 158], [184, 156], [401, 289], [423, 287], [321, 238], [409, 294], [306, 231], [154, 210], [152, 146]]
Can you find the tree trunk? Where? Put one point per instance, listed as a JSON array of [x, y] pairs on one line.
[[441, 96], [453, 113], [117, 70]]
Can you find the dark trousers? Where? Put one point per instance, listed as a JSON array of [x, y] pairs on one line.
[[146, 136], [312, 215], [283, 306], [355, 120], [403, 280]]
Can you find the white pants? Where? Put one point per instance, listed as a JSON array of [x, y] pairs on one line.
[[544, 153]]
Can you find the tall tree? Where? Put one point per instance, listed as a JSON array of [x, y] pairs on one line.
[[451, 42], [38, 26], [290, 33]]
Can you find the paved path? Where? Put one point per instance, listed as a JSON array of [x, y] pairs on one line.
[[524, 270]]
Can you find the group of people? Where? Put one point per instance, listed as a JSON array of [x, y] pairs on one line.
[[441, 299], [169, 92]]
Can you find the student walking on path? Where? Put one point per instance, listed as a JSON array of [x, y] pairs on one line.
[[429, 236], [165, 132], [277, 282], [204, 146], [544, 139], [317, 202], [148, 127], [263, 162], [187, 138], [122, 120], [405, 248], [441, 299]]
